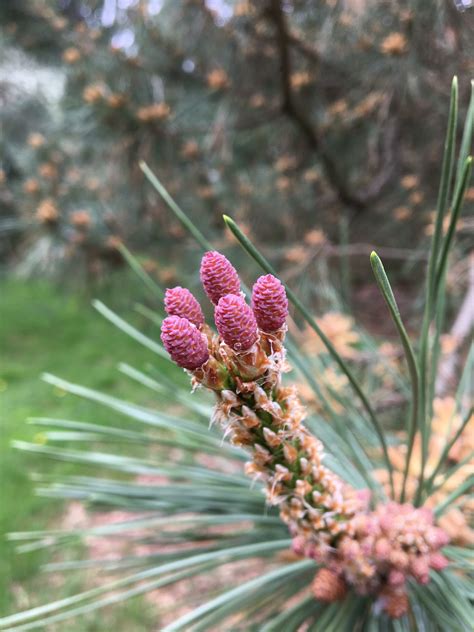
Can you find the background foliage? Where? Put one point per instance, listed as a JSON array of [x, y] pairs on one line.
[[300, 119]]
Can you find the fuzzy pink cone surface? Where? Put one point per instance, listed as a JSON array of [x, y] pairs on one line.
[[236, 322], [218, 276], [299, 545], [269, 303], [396, 578], [438, 537], [180, 302], [184, 342], [438, 561], [382, 549], [420, 570]]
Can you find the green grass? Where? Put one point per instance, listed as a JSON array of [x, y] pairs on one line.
[[45, 329]]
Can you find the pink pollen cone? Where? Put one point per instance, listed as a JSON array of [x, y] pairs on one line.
[[218, 276], [180, 302], [235, 322], [269, 303], [184, 342]]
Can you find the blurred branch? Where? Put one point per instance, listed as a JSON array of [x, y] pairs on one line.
[[238, 126], [336, 74], [357, 201], [305, 49], [351, 250], [361, 249]]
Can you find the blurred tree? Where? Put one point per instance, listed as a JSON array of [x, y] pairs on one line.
[[287, 115]]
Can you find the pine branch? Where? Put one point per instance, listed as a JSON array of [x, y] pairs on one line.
[[357, 201]]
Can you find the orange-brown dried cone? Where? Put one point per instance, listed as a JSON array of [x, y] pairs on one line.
[[328, 586], [395, 603]]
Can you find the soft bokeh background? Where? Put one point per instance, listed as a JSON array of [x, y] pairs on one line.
[[318, 126]]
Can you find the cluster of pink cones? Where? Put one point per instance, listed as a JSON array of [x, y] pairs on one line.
[[238, 324], [372, 552]]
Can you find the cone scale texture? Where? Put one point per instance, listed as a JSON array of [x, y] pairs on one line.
[[218, 276], [236, 322], [180, 302], [184, 342], [269, 303]]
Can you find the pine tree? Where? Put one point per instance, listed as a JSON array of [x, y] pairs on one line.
[[290, 115]]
